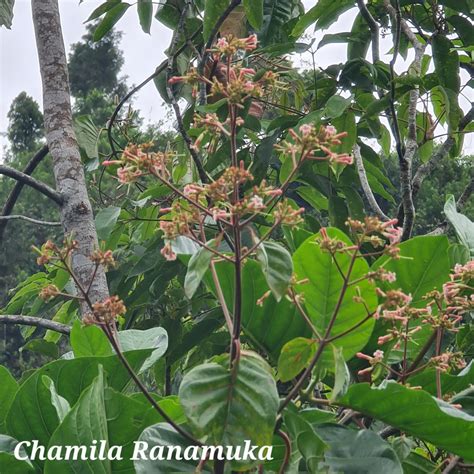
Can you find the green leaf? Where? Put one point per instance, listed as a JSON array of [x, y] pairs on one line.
[[458, 253], [87, 135], [111, 18], [358, 451], [145, 14], [49, 349], [6, 13], [33, 416], [227, 406], [463, 226], [197, 267], [154, 339], [8, 462], [310, 445], [323, 290], [162, 434], [60, 403], [450, 384], [254, 12], [423, 266], [213, 10], [8, 389], [446, 62], [105, 221], [336, 106], [101, 9], [342, 376], [417, 413], [324, 13], [464, 29], [268, 326], [294, 357], [314, 197], [277, 267], [101, 414], [64, 315], [89, 341]]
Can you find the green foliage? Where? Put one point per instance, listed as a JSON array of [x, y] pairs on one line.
[[438, 422], [25, 126], [95, 64], [312, 300]]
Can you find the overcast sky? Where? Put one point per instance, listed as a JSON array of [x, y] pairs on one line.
[[19, 70]]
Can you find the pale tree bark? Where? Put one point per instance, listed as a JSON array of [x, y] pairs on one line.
[[76, 212]]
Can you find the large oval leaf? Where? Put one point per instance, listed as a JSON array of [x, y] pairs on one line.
[[270, 325], [102, 414], [417, 413], [324, 287], [423, 266], [225, 407]]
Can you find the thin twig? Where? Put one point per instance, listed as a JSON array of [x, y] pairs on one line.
[[28, 219]]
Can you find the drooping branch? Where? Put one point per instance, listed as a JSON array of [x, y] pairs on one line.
[[425, 169], [28, 219], [32, 182], [33, 321], [365, 184], [15, 192]]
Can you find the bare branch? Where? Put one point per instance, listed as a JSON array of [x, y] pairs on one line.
[[33, 321], [28, 219], [15, 192], [32, 182], [365, 184]]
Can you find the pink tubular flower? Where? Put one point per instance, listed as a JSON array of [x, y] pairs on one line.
[[251, 43], [274, 192], [256, 203], [343, 159], [306, 129], [111, 162], [393, 234], [168, 253]]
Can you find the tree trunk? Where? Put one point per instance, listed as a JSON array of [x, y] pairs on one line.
[[76, 212]]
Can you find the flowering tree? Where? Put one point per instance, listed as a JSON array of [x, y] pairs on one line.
[[261, 304]]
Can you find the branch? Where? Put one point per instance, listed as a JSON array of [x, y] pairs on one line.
[[406, 154], [15, 192], [374, 29], [425, 169], [37, 322], [34, 183], [28, 219], [365, 184]]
